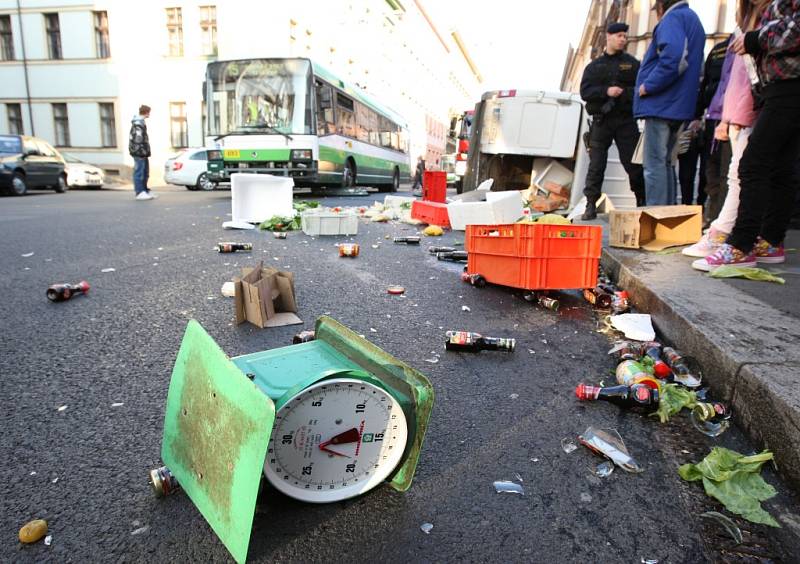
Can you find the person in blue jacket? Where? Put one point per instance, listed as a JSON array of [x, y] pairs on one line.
[[666, 93]]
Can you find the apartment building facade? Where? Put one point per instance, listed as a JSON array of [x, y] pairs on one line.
[[74, 72]]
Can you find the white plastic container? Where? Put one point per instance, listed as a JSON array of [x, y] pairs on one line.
[[499, 208], [325, 222], [397, 201], [258, 197]]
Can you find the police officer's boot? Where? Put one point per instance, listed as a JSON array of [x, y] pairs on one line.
[[591, 210]]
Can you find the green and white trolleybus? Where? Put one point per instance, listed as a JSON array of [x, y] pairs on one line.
[[292, 117]]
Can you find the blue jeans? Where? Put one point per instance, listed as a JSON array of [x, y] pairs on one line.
[[660, 136], [141, 172]]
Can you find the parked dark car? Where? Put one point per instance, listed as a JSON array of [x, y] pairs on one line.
[[28, 162]]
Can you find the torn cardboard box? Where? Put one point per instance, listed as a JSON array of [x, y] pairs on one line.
[[655, 228], [265, 297]]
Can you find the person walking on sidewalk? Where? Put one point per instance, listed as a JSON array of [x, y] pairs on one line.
[[139, 149], [666, 93], [767, 170], [607, 88], [737, 119]]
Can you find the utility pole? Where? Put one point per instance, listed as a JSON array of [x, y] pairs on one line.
[[25, 65]]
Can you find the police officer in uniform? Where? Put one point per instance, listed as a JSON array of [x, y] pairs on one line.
[[607, 88]]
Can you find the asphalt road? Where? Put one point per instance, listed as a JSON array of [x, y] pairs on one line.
[[496, 417]]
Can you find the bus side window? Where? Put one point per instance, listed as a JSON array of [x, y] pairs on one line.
[[325, 121], [345, 120]]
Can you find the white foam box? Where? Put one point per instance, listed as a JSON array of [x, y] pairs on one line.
[[326, 222], [258, 197], [499, 207]]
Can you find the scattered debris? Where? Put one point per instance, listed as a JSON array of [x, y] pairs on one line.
[[426, 528], [62, 408], [304, 337], [348, 250], [237, 224], [711, 418], [567, 445], [749, 272], [48, 540], [411, 240], [514, 396], [636, 326], [396, 290], [604, 469], [140, 530], [734, 480], [109, 270], [432, 360], [726, 522], [608, 443], [117, 404], [585, 497], [465, 308], [433, 231], [64, 292], [26, 255], [279, 234], [232, 247], [464, 341], [33, 531], [229, 289], [503, 486]]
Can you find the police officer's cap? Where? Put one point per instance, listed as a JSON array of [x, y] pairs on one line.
[[616, 27]]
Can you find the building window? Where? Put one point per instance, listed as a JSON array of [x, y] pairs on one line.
[[61, 122], [14, 112], [6, 39], [108, 125], [53, 29], [101, 41], [178, 128], [208, 29], [175, 32]]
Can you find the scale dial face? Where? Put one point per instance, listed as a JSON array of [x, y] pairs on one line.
[[334, 440]]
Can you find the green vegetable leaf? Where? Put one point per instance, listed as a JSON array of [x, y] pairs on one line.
[[672, 399], [734, 480], [749, 272]]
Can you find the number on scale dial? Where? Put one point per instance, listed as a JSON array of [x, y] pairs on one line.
[[334, 440]]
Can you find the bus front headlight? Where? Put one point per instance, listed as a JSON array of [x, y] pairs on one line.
[[301, 154]]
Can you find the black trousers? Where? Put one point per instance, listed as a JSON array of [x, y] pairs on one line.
[[687, 167], [768, 175], [622, 130], [718, 161]]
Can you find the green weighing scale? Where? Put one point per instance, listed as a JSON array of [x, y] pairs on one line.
[[323, 421]]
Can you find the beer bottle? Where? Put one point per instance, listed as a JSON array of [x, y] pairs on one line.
[[303, 337], [63, 292], [638, 396], [434, 250], [233, 247], [412, 240], [598, 297], [548, 303], [465, 341], [453, 256], [711, 418], [348, 250], [660, 368]]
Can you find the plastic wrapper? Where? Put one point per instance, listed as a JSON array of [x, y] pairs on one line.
[[504, 486]]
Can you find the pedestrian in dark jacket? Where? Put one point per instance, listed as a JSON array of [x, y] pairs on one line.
[[139, 149], [768, 171], [418, 174], [607, 88], [667, 89]]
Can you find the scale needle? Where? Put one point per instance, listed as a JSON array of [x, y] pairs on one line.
[[349, 436]]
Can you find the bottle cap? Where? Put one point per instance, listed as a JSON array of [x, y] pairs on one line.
[[396, 290]]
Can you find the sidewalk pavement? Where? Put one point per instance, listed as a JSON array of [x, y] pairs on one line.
[[746, 335]]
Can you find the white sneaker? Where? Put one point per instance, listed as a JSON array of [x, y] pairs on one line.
[[152, 195], [142, 196], [707, 244]]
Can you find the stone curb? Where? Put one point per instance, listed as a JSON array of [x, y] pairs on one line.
[[749, 351]]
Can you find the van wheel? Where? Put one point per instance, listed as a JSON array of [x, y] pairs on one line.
[[18, 186], [349, 174], [62, 185]]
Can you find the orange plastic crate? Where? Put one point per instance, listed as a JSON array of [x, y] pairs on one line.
[[535, 256], [432, 213]]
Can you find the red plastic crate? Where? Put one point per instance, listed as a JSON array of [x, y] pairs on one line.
[[432, 213], [434, 186], [535, 256]]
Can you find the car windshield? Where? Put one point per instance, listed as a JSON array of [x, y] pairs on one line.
[[259, 95], [9, 144], [71, 158]]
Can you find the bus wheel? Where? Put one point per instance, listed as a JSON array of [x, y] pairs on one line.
[[396, 180], [349, 174]]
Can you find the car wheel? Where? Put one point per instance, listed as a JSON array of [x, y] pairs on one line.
[[204, 183], [61, 186], [19, 185], [349, 174]]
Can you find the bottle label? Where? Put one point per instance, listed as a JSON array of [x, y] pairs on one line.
[[461, 338]]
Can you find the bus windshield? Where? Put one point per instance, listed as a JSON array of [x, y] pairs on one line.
[[264, 96]]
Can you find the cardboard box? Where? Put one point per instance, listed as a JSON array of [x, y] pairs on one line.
[[265, 297], [556, 189], [655, 228]]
